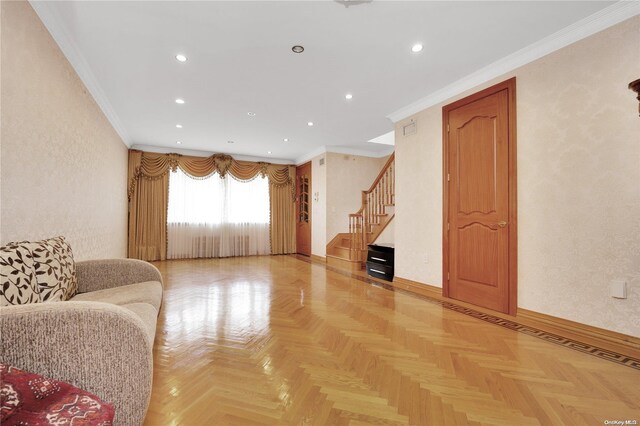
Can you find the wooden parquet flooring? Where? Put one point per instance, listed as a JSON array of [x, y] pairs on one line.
[[276, 340]]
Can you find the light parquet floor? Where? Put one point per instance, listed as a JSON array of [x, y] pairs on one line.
[[276, 340]]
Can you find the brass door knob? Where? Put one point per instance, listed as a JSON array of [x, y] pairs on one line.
[[502, 224]]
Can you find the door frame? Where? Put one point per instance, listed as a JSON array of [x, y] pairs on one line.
[[510, 86]]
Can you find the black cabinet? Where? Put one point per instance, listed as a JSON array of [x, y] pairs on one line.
[[380, 261]]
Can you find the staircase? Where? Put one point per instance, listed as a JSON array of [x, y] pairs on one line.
[[349, 250]]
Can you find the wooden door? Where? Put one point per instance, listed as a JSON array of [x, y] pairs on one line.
[[480, 245], [303, 209]]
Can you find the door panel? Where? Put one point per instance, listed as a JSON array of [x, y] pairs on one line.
[[303, 209], [478, 217], [477, 256], [476, 188]]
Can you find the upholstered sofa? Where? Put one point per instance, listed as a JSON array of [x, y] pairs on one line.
[[100, 339]]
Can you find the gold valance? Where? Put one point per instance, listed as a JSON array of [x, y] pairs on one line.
[[150, 165]]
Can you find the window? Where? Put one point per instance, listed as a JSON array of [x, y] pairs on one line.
[[214, 200], [217, 217]]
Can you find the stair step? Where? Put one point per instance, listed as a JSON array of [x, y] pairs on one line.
[[343, 252], [342, 263]]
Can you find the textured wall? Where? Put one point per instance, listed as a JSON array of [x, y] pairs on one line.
[[388, 236], [578, 183], [63, 166], [319, 206], [347, 177]]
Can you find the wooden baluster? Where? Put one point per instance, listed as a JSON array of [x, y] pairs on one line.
[[390, 186], [386, 187], [383, 190], [367, 215], [389, 180], [393, 184], [351, 233], [373, 205], [359, 233], [381, 186]]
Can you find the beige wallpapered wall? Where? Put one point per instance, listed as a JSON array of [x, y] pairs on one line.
[[578, 183], [319, 206], [388, 235], [63, 167], [347, 177]]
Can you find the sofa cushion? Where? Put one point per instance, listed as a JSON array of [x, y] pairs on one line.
[[147, 292], [147, 313], [18, 284], [54, 267]]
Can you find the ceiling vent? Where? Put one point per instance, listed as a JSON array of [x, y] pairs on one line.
[[410, 129], [321, 161]]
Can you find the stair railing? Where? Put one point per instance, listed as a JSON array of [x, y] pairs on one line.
[[374, 201]]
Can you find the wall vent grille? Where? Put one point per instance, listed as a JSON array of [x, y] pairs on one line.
[[410, 129]]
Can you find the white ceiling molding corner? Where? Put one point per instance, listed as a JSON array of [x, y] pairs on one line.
[[601, 20], [51, 21], [310, 155], [361, 152]]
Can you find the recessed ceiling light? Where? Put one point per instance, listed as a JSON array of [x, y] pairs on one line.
[[310, 123], [268, 152], [230, 142], [179, 101], [181, 58], [297, 49], [416, 48], [286, 139], [179, 126], [251, 114], [178, 142], [348, 96]]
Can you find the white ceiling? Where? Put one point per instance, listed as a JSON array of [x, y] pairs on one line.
[[240, 60]]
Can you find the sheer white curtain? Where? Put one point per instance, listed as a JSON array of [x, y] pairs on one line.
[[216, 217]]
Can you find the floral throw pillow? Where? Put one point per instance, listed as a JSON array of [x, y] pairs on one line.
[[55, 269], [18, 285]]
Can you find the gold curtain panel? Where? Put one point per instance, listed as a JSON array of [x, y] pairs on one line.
[[148, 195]]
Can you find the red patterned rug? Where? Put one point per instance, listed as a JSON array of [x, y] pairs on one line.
[[30, 399]]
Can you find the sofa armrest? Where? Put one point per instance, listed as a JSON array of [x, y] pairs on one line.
[[98, 347], [108, 273]]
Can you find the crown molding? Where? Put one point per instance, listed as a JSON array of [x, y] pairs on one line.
[[53, 23], [343, 150], [200, 153], [601, 20]]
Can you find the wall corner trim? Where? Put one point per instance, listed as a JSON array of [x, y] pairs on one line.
[[52, 22], [601, 20]]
